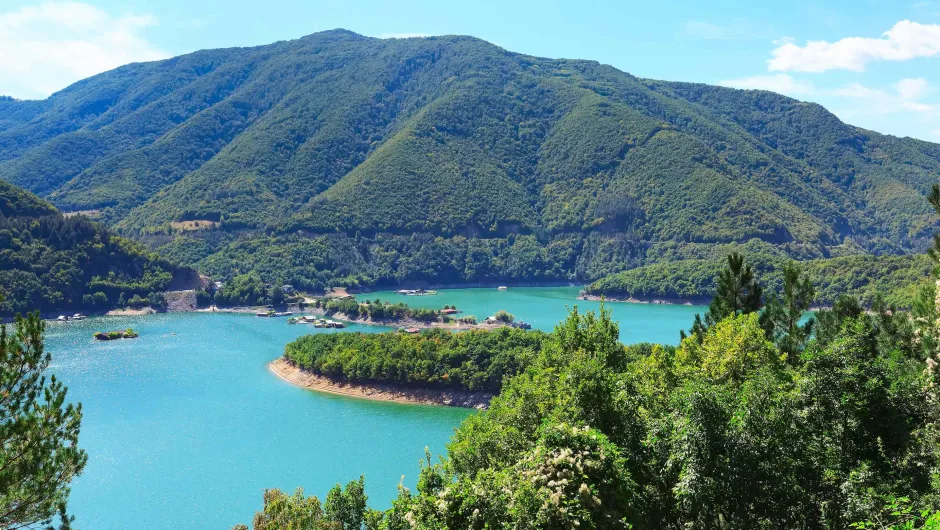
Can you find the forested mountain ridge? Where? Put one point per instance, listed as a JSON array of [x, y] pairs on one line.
[[52, 262], [345, 158]]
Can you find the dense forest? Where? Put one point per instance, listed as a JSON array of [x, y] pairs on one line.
[[895, 278], [339, 159], [476, 360], [52, 262], [759, 418], [756, 420]]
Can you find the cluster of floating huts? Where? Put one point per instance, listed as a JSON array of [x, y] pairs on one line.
[[416, 292], [317, 322], [270, 313]]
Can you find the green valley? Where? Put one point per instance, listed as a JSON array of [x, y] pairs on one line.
[[339, 159]]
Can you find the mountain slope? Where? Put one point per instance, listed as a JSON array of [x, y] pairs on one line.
[[338, 135], [52, 262]]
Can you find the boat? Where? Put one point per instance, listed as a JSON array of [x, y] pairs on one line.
[[501, 288], [283, 314], [78, 316], [62, 318], [264, 314]]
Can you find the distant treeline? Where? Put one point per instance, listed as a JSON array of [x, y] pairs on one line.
[[475, 360], [895, 278]]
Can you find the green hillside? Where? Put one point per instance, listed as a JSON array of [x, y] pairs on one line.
[[896, 278], [355, 159], [51, 262]]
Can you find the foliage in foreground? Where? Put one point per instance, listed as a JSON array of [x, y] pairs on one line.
[[39, 430], [738, 428]]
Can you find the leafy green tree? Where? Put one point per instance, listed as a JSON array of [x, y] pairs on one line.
[[347, 506], [899, 514], [504, 316], [289, 512], [729, 351], [38, 432]]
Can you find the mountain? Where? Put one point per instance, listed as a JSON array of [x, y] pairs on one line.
[[339, 158], [52, 262]]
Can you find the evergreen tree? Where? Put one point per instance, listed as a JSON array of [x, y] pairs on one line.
[[39, 452], [737, 292], [781, 317]]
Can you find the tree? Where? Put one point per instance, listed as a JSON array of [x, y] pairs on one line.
[[288, 512], [38, 432], [730, 350], [781, 317], [504, 316], [737, 291], [347, 506]]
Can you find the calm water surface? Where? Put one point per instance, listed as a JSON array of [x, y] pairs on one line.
[[185, 426], [544, 307]]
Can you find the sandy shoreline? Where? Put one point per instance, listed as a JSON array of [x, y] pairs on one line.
[[378, 392]]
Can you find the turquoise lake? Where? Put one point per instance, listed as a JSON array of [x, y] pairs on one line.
[[186, 426]]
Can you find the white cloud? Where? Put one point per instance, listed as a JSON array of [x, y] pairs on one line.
[[780, 83], [47, 47], [857, 100], [904, 41], [911, 88]]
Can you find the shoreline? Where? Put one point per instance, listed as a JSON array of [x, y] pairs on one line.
[[472, 285], [290, 373], [663, 300], [406, 322]]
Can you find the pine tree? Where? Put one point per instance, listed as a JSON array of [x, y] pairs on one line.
[[39, 452], [782, 316], [736, 292]]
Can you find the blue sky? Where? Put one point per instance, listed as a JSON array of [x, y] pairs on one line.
[[874, 63]]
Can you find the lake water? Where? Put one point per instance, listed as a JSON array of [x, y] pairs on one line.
[[185, 426]]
